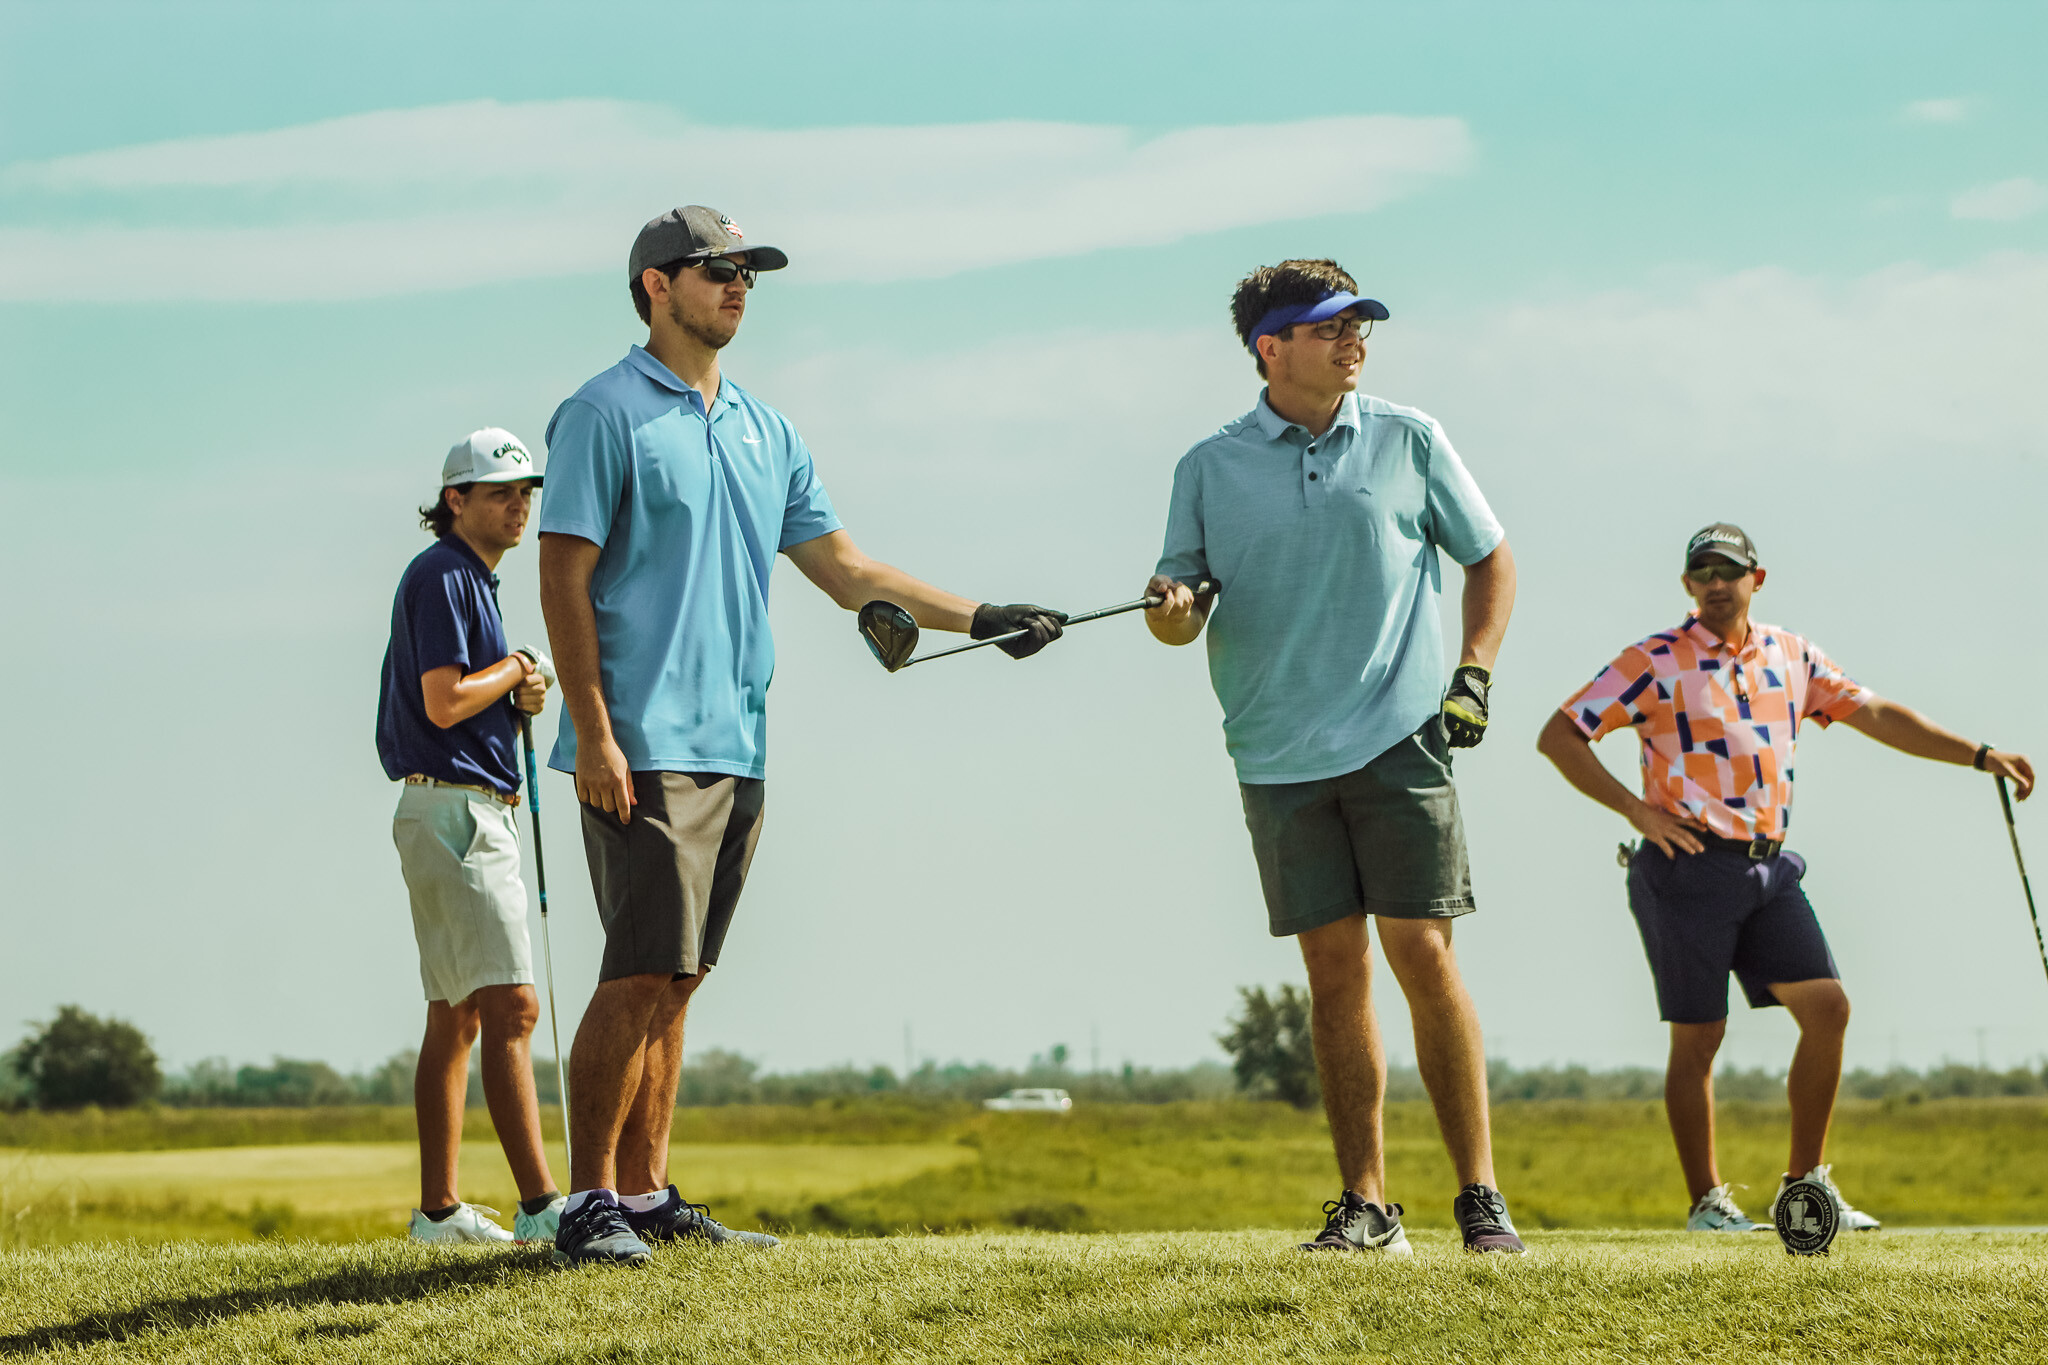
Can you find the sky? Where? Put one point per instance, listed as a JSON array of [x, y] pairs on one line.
[[1650, 265]]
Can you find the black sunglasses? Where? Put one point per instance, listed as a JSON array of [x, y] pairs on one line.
[[720, 270], [1718, 573]]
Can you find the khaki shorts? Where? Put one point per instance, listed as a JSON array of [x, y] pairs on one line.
[[668, 880], [459, 851]]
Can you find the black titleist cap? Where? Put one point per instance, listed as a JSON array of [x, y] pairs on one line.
[[1722, 538], [691, 232]]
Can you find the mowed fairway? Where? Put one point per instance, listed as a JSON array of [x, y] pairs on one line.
[[1045, 1297], [348, 1189]]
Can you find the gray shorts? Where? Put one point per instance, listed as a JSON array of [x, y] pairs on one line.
[[668, 880], [459, 851], [1383, 840]]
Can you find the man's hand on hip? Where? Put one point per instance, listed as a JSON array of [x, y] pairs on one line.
[[603, 778], [1040, 624], [1672, 833], [1465, 706]]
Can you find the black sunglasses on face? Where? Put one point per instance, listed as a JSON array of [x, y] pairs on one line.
[[719, 270], [1717, 573]]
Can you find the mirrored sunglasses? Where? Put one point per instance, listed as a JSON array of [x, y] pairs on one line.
[[1717, 573]]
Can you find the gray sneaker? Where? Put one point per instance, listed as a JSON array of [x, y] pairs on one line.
[[678, 1220], [1716, 1211], [1351, 1224], [1482, 1216], [597, 1234]]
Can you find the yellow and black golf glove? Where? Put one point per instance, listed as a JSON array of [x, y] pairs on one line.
[[1465, 706]]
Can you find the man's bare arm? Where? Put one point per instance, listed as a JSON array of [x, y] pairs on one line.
[[1562, 743], [847, 576], [452, 696], [603, 778], [1488, 602], [1909, 732]]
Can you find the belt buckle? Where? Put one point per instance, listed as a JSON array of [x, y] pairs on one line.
[[1758, 849]]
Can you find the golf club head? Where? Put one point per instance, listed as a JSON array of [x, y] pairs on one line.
[[891, 632]]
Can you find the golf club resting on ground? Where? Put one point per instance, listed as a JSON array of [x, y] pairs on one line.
[[1326, 511]]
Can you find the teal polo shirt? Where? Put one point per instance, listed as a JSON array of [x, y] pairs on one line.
[[690, 507], [1325, 646]]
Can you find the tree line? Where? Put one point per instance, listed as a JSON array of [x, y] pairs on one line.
[[78, 1059]]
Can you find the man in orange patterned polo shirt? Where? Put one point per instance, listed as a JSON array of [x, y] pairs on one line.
[[1718, 703]]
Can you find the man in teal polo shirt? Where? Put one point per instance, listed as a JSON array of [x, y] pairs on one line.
[[1320, 513], [670, 492]]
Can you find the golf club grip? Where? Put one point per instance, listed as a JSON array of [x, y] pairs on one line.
[[1147, 602]]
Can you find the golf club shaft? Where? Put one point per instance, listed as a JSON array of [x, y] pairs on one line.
[[1085, 616], [547, 948], [2012, 832]]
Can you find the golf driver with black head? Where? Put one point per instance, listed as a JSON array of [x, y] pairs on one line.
[[891, 632]]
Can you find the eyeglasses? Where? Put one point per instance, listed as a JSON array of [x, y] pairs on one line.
[[721, 270], [1718, 573], [1337, 329]]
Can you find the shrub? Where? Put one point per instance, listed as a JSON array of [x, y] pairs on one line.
[[79, 1059]]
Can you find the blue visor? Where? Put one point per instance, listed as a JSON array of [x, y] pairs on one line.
[[1327, 306]]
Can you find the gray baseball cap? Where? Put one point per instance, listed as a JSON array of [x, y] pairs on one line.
[[692, 232], [1722, 538]]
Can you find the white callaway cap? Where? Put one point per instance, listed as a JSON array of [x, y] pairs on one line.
[[493, 455]]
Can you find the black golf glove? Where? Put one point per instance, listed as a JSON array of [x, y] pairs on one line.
[[1042, 624], [1465, 706]]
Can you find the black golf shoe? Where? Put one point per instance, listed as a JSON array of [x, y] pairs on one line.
[[1351, 1224], [677, 1220], [597, 1234], [1483, 1218]]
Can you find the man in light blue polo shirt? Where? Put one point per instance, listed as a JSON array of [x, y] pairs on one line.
[[670, 492], [1320, 514]]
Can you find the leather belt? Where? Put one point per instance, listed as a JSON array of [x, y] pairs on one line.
[[422, 780], [1756, 850]]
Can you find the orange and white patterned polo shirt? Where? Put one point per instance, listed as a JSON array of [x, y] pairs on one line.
[[1718, 725]]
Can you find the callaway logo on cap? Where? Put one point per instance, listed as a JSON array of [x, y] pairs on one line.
[[1722, 538], [492, 455]]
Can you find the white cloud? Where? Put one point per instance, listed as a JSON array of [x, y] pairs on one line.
[[1950, 110], [2006, 201], [406, 201]]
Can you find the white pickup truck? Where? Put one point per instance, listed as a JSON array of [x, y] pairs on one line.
[[1031, 1101]]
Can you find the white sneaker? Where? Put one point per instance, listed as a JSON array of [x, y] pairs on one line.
[[1853, 1219], [539, 1227], [1716, 1211], [466, 1224]]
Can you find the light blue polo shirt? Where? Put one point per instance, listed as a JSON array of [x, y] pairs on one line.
[[1325, 647], [691, 508]]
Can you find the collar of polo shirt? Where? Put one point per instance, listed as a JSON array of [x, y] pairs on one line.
[[1276, 427]]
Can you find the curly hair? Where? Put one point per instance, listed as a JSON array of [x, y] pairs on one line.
[[1281, 286], [437, 516]]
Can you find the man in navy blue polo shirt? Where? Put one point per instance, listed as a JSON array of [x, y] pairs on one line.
[[1321, 513], [446, 726], [670, 492]]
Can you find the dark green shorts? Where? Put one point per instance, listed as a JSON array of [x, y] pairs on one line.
[[1384, 840]]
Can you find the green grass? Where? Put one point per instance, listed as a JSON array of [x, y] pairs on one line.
[[1183, 1297], [894, 1168]]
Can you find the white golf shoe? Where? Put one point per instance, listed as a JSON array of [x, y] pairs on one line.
[[1716, 1211], [542, 1226], [1853, 1219], [466, 1225]]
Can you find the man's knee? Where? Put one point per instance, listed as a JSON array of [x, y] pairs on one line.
[[508, 1013], [1819, 1006], [1419, 952], [1694, 1046]]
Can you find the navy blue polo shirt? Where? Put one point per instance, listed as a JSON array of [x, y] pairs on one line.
[[446, 612]]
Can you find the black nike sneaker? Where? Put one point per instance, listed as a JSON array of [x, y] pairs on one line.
[[597, 1234], [1483, 1217], [1351, 1224], [677, 1220]]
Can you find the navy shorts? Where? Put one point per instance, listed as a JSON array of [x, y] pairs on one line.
[[1703, 915]]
